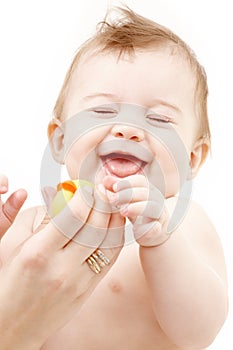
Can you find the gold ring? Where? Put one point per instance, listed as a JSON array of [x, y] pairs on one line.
[[97, 260]]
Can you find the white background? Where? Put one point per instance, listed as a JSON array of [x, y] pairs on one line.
[[37, 42]]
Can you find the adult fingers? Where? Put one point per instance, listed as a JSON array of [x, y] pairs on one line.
[[10, 209], [98, 262], [93, 233], [115, 234], [114, 240], [64, 226], [103, 230], [14, 204], [3, 184]]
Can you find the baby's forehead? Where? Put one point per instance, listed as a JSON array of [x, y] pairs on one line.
[[137, 78], [98, 52], [145, 67]]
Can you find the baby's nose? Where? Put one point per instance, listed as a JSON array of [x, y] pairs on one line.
[[128, 132]]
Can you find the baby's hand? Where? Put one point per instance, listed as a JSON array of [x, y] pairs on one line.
[[11, 207], [143, 204]]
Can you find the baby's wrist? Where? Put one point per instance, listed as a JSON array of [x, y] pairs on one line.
[[151, 234]]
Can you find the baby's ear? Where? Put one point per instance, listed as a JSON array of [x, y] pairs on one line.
[[56, 140], [198, 155]]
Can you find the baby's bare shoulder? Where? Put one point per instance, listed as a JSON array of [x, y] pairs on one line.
[[198, 225], [192, 217]]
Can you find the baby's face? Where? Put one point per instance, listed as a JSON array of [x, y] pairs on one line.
[[130, 116]]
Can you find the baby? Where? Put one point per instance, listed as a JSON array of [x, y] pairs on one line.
[[131, 119]]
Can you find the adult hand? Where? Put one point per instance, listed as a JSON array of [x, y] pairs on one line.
[[46, 279], [11, 207]]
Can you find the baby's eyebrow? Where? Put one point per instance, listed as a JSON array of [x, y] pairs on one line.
[[112, 97], [160, 102], [115, 98]]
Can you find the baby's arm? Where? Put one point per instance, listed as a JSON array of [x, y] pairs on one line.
[[188, 284], [185, 274], [11, 207]]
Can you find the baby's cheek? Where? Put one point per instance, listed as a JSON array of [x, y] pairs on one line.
[[170, 168], [82, 160], [164, 173]]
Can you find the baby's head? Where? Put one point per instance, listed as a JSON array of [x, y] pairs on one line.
[[136, 81]]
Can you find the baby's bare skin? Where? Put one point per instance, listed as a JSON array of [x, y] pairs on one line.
[[117, 315], [120, 311]]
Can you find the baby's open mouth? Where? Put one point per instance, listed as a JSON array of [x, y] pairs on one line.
[[122, 165]]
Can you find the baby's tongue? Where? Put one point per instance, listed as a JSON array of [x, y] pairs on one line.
[[122, 167]]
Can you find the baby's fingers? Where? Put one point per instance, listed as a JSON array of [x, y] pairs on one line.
[[113, 183], [151, 233], [129, 195], [148, 209]]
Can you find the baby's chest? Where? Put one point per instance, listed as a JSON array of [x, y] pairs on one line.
[[118, 314]]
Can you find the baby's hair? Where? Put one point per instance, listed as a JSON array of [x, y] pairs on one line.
[[124, 34]]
